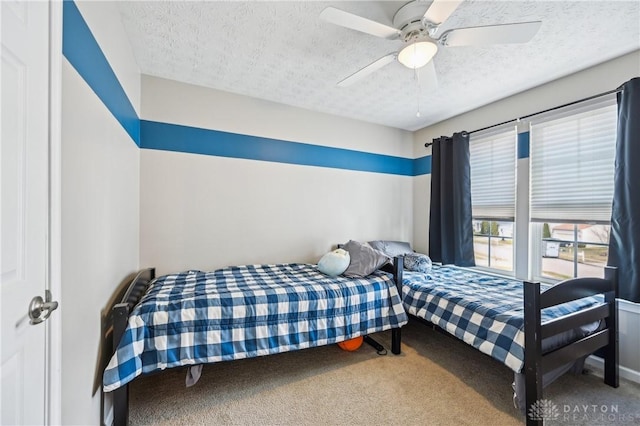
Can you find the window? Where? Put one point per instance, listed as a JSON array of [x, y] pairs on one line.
[[493, 244], [493, 195], [571, 190], [573, 250]]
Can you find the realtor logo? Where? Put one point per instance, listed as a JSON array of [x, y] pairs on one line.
[[544, 409]]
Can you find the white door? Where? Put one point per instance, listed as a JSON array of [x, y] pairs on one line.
[[24, 209]]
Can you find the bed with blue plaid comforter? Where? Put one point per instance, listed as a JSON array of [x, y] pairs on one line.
[[483, 310], [247, 311]]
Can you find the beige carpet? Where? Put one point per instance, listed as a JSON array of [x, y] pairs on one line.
[[437, 380]]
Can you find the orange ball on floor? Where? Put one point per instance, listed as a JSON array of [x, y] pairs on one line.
[[351, 344]]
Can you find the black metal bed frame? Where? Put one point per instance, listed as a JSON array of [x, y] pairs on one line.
[[535, 364]]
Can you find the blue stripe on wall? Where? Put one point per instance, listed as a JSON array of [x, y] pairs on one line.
[[83, 52], [523, 145], [173, 137], [422, 166]]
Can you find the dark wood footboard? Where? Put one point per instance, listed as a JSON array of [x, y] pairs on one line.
[[119, 316], [537, 364], [396, 333]]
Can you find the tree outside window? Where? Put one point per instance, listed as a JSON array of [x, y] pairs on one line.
[[493, 244]]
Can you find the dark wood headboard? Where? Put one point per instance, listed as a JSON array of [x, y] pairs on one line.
[[117, 324]]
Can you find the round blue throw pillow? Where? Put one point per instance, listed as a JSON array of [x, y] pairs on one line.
[[334, 263], [417, 262]]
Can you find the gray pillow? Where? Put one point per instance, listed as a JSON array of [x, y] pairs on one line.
[[364, 259], [391, 248]]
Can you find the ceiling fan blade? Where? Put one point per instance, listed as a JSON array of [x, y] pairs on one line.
[[440, 10], [369, 69], [358, 23], [429, 77], [491, 34]]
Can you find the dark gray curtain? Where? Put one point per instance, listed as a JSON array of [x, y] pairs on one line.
[[450, 224], [624, 243]]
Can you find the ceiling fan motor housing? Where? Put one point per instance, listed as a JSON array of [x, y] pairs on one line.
[[415, 34], [409, 19]]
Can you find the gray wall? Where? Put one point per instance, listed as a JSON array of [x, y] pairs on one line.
[[206, 212], [100, 213]]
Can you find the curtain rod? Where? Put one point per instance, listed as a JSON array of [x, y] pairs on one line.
[[619, 89]]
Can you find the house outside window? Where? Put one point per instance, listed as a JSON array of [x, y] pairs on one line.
[[574, 250]]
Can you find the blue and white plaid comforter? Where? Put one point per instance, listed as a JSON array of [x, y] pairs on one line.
[[484, 311], [247, 311]]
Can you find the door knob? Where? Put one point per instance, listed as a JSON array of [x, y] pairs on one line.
[[40, 310]]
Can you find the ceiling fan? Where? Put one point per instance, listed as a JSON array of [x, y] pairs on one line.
[[418, 29]]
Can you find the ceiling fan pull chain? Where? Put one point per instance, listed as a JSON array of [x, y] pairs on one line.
[[417, 77]]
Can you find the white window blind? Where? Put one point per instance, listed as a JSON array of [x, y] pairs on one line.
[[572, 164], [493, 174]]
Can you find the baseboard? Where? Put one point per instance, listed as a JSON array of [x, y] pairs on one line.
[[625, 305], [625, 372]]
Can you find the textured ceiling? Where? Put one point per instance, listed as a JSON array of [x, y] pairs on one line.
[[283, 52]]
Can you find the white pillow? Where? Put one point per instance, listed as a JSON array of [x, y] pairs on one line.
[[334, 263]]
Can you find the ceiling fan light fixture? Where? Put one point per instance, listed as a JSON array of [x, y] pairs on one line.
[[417, 54]]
